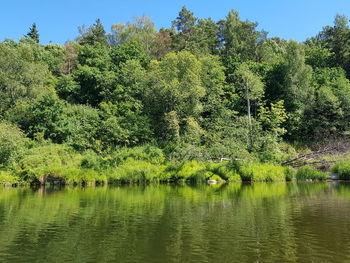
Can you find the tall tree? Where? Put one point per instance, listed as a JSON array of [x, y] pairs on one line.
[[250, 87], [93, 34], [33, 33]]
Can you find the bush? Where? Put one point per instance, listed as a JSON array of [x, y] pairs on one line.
[[289, 173], [262, 172], [7, 178], [147, 153], [12, 143], [38, 161], [307, 172], [342, 169]]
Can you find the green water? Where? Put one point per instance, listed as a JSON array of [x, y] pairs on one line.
[[307, 222]]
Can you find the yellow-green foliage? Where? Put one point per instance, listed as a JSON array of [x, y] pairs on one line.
[[73, 175], [226, 171], [193, 171], [289, 173], [53, 159], [134, 171], [214, 177], [262, 172], [307, 172], [8, 178], [342, 169], [146, 153]]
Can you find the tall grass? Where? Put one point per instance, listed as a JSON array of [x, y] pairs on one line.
[[342, 169], [257, 172], [135, 171], [309, 173]]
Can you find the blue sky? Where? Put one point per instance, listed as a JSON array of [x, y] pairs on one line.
[[58, 20]]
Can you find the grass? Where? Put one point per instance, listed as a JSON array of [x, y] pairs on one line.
[[342, 169], [257, 172], [309, 173]]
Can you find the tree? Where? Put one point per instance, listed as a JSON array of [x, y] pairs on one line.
[[185, 21], [162, 43], [21, 76], [141, 30], [250, 87], [272, 118], [240, 38], [291, 81], [131, 50], [33, 33], [199, 36], [174, 85], [42, 118], [337, 39], [93, 34]]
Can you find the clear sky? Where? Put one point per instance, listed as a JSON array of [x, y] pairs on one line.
[[58, 20]]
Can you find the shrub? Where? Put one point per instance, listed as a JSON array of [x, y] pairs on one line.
[[289, 173], [342, 169], [262, 172], [7, 178], [12, 143], [307, 172], [147, 153], [39, 161]]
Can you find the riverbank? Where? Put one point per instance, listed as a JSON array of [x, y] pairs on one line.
[[139, 171]]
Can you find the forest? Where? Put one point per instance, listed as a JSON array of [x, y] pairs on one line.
[[137, 104]]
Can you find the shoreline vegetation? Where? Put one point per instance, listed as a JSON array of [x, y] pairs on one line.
[[57, 164], [136, 104]]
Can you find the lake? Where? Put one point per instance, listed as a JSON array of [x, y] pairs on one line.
[[262, 222]]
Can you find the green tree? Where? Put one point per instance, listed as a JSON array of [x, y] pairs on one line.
[[33, 33], [93, 34], [250, 87], [20, 76], [174, 84], [240, 39], [141, 30]]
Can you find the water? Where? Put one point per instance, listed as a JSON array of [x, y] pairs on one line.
[[284, 222]]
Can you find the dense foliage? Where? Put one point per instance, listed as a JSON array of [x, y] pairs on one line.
[[199, 90]]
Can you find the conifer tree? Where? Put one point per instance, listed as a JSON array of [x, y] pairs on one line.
[[33, 33]]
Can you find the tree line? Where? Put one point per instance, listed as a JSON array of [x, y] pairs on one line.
[[198, 90]]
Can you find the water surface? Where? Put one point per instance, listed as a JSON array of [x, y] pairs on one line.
[[284, 222]]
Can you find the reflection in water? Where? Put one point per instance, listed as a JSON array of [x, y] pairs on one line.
[[283, 222]]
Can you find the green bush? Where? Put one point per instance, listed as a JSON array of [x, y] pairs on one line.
[[38, 161], [342, 169], [12, 143], [307, 172], [262, 172], [289, 173], [8, 178], [147, 153]]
